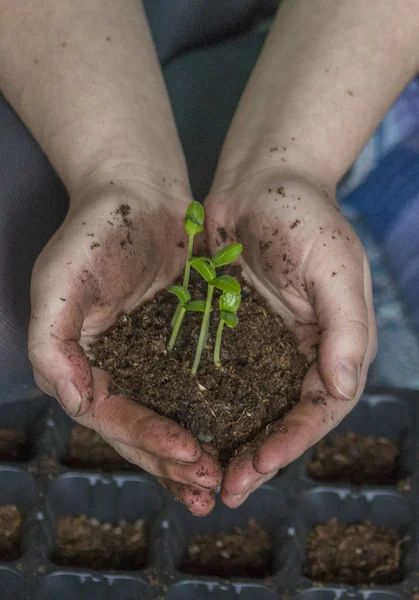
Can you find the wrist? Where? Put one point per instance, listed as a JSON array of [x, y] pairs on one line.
[[271, 160], [113, 175]]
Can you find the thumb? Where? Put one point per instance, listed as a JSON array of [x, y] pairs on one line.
[[344, 308], [62, 370], [61, 367]]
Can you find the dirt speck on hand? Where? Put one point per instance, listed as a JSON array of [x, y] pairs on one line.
[[264, 246], [223, 233], [124, 210]]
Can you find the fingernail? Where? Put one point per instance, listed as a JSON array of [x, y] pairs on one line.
[[346, 379], [68, 396]]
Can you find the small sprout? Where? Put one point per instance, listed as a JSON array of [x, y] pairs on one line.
[[206, 267], [230, 319], [196, 306], [194, 224], [181, 293], [206, 270], [230, 302], [227, 255], [194, 219], [229, 305], [186, 304], [225, 283], [208, 273]]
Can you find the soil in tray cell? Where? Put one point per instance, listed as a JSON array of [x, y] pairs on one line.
[[242, 552], [84, 542]]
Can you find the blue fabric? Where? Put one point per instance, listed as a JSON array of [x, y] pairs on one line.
[[380, 196]]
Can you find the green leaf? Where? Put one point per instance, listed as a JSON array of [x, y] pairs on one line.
[[196, 306], [206, 270], [230, 319], [226, 283], [205, 259], [181, 293], [193, 228], [194, 218], [227, 255], [230, 302], [195, 212]]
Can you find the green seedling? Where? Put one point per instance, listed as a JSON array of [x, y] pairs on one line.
[[229, 305], [194, 224], [186, 304], [206, 267]]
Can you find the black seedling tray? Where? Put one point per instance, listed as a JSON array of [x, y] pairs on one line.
[[44, 490]]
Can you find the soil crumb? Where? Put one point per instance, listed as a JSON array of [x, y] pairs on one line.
[[357, 459], [88, 450], [10, 532], [259, 381], [13, 445], [87, 543], [243, 552], [356, 554]]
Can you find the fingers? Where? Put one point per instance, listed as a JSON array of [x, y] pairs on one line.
[[193, 485], [200, 502], [121, 420], [59, 306], [344, 309], [205, 473], [314, 416]]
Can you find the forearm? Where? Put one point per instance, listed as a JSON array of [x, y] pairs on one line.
[[327, 74], [83, 76]]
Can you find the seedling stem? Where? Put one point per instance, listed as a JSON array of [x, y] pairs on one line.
[[217, 347], [204, 329], [180, 312]]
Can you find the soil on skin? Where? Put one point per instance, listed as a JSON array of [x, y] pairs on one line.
[[88, 450], [87, 543], [357, 459], [10, 532], [13, 445], [357, 554], [259, 382], [243, 552]]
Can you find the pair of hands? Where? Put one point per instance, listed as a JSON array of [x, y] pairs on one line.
[[99, 264]]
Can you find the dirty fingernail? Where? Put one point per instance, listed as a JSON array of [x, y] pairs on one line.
[[346, 379], [68, 396]]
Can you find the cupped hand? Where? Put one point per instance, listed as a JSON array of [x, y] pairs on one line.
[[302, 255], [120, 243]]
